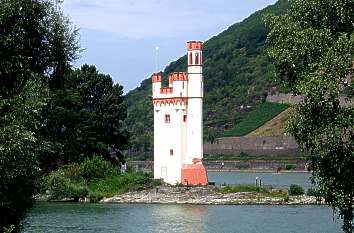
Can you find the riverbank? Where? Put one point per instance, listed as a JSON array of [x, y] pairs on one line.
[[257, 171], [207, 196], [252, 165]]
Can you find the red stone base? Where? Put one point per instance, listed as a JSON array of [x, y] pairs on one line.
[[194, 174]]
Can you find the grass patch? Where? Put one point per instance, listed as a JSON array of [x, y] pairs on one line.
[[95, 179], [251, 189], [240, 188], [262, 113], [125, 182]]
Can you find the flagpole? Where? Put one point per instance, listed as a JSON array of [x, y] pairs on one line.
[[156, 58]]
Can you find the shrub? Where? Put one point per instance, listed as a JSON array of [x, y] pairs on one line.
[[77, 191], [290, 167], [96, 168], [244, 154], [313, 192], [60, 187], [57, 184], [72, 172], [296, 190], [286, 198], [95, 197]]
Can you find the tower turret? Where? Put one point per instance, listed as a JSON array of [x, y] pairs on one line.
[[193, 170], [195, 69], [156, 79], [195, 57]]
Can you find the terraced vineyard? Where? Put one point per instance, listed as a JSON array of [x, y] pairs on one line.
[[262, 113]]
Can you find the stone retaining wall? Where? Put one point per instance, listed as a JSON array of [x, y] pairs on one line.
[[225, 165], [292, 99], [270, 145]]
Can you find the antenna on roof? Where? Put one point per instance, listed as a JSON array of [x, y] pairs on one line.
[[156, 57]]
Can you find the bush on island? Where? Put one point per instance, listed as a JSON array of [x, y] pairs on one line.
[[296, 190], [96, 168], [60, 187]]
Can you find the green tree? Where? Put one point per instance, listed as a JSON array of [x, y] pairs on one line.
[[313, 47], [19, 146], [36, 42], [34, 38], [84, 118]]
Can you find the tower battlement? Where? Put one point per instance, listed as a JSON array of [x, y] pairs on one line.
[[156, 77], [194, 45], [177, 87], [177, 76]]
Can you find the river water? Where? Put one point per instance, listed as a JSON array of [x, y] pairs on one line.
[[155, 218], [278, 180], [136, 218]]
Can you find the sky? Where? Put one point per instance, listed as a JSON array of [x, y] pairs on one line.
[[123, 38]]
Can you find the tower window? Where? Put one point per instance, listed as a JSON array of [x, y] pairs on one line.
[[167, 118], [171, 152], [197, 58], [190, 58], [184, 118]]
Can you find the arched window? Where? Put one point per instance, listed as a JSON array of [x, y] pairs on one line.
[[190, 59], [197, 58]]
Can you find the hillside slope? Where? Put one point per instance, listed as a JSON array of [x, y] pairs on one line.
[[237, 72], [260, 115], [274, 127]]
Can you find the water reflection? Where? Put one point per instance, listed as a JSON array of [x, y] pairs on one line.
[[178, 218]]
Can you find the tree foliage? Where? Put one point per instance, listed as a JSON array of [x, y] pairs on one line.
[[313, 46], [84, 118], [35, 42], [19, 146], [34, 38]]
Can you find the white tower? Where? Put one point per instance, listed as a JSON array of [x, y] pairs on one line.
[[178, 126]]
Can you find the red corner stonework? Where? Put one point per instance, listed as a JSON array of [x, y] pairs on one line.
[[194, 174]]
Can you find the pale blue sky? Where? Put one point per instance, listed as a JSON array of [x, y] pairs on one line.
[[120, 36]]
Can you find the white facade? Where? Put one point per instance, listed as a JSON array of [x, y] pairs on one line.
[[178, 116]]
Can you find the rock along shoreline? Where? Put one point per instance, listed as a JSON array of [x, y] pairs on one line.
[[205, 196]]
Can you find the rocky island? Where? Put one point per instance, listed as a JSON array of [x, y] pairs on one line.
[[210, 195]]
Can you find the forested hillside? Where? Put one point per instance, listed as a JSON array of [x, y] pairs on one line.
[[237, 76]]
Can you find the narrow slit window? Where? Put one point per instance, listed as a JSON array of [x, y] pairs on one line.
[[190, 59], [184, 118], [197, 58], [171, 152], [167, 118]]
